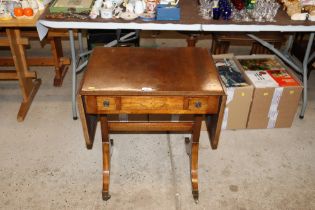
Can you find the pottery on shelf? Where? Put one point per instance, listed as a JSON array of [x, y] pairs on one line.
[[139, 7], [128, 16]]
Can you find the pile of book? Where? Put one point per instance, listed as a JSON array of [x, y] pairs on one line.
[[230, 73], [262, 92], [267, 72]]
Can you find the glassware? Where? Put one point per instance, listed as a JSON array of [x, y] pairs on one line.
[[216, 10], [225, 9], [250, 4], [265, 10], [272, 11], [205, 9], [238, 4]]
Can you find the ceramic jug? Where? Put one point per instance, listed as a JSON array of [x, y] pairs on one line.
[[151, 6], [11, 5], [108, 4], [3, 9], [33, 4], [139, 7], [25, 4]]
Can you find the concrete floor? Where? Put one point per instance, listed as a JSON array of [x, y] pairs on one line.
[[44, 163]]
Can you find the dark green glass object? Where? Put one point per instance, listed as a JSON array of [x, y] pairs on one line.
[[250, 4]]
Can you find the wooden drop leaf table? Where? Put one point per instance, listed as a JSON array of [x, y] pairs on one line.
[[151, 81]]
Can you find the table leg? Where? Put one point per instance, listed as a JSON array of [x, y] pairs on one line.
[[59, 61], [193, 153], [214, 123], [26, 83], [192, 40], [106, 146], [305, 70], [74, 74], [80, 39]]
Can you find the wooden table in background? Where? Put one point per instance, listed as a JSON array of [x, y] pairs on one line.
[[151, 81], [28, 82]]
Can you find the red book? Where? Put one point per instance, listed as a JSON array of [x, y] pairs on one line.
[[283, 78]]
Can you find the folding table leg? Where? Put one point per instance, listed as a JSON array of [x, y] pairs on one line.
[[106, 146], [74, 75], [305, 71]]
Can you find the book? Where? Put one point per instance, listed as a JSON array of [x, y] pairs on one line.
[[229, 73], [261, 79], [283, 78], [261, 64]]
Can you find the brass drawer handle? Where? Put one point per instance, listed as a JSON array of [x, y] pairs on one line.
[[198, 104], [106, 103]]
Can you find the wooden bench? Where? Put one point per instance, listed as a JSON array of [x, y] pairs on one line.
[[56, 59], [222, 41]]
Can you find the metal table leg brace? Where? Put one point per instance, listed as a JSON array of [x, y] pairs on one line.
[[297, 66]]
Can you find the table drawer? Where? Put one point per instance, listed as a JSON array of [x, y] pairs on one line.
[[199, 104], [105, 103], [152, 104]]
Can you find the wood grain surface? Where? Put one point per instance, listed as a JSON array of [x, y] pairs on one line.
[[143, 71]]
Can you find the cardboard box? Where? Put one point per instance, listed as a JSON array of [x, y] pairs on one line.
[[273, 106], [238, 98]]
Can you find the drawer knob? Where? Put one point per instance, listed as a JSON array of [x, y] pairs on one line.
[[198, 104], [106, 103]]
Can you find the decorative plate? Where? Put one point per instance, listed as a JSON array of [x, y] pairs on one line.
[[128, 16], [147, 16]]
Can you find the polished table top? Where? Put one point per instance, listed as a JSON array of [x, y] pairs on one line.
[[143, 71]]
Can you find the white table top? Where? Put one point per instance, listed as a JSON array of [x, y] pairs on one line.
[[190, 21]]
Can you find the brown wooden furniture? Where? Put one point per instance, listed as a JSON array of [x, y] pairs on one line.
[[28, 81], [151, 81], [56, 59], [222, 41]]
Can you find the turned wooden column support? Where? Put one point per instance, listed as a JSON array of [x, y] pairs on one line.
[[192, 40], [192, 148], [106, 147]]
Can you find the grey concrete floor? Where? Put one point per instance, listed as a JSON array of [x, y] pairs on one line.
[[44, 163]]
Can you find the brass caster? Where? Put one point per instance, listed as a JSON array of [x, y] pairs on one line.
[[187, 140], [196, 196], [187, 143], [89, 146], [106, 196]]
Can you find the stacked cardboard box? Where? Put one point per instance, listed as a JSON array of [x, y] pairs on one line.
[[277, 91], [239, 91]]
